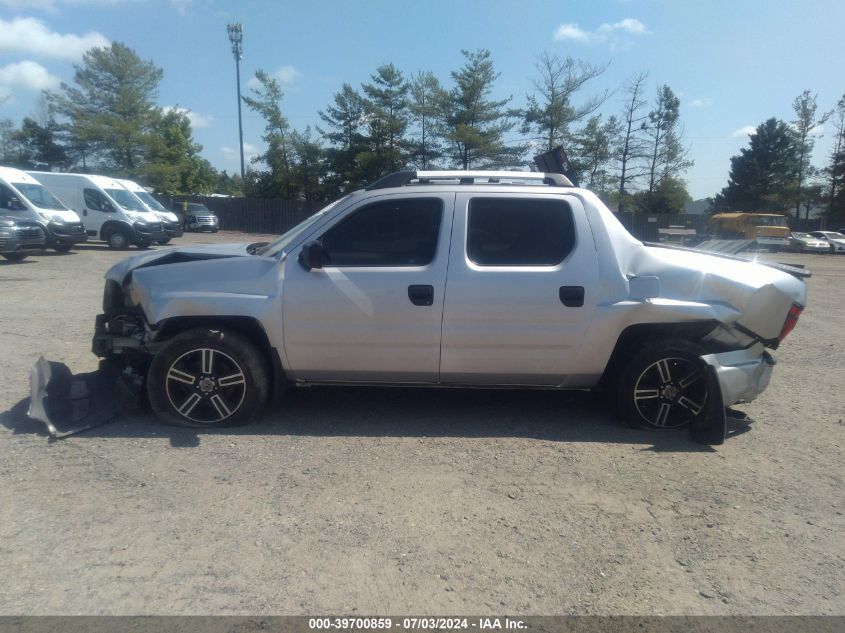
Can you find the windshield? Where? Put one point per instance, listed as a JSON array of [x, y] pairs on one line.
[[39, 196], [125, 199], [279, 244], [833, 235], [151, 202], [803, 236]]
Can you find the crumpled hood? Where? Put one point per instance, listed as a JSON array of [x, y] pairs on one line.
[[181, 254]]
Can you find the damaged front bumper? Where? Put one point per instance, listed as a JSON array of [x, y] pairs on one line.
[[120, 334], [742, 375]]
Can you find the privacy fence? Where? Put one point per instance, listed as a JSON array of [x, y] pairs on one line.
[[275, 216]]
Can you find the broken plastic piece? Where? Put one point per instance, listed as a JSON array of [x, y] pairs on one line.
[[68, 404]]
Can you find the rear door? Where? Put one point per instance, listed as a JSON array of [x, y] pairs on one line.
[[522, 285], [374, 311]]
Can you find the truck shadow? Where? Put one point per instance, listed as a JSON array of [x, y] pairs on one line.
[[406, 412]]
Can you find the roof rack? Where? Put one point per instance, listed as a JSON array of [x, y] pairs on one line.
[[404, 178]]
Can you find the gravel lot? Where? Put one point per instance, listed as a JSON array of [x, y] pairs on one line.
[[399, 501]]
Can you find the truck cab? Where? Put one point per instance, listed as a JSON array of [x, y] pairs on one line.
[[109, 212], [461, 279], [23, 197]]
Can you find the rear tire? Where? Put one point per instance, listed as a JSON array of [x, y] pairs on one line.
[[141, 246], [208, 378], [664, 386], [167, 241], [118, 239], [63, 248]]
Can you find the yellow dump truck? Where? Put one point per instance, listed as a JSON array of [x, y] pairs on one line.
[[769, 230]]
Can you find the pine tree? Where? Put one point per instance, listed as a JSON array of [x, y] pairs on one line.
[[472, 125], [763, 175], [111, 107], [426, 97]]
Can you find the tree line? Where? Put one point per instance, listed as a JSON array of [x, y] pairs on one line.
[[775, 172], [106, 120]]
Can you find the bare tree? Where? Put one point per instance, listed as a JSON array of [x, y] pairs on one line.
[[836, 168], [805, 110], [550, 110], [631, 147], [668, 157]]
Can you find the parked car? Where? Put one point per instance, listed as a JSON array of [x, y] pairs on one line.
[[109, 212], [801, 242], [19, 238], [834, 240], [196, 217], [24, 198], [481, 279], [171, 222]]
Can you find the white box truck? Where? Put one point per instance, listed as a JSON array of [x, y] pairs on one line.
[[109, 212], [24, 198]]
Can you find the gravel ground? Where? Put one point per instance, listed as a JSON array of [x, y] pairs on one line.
[[399, 501]]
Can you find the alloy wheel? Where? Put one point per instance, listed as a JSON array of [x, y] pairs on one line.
[[205, 385], [670, 392]]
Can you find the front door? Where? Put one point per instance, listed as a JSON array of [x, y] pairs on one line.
[[522, 285], [97, 210], [374, 311]]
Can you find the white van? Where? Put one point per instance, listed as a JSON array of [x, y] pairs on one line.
[[22, 196], [109, 212], [172, 225]]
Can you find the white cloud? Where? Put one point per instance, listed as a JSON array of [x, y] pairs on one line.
[[26, 75], [632, 26], [606, 32], [197, 119], [232, 153], [30, 36], [284, 75], [702, 102], [182, 6], [748, 130], [571, 32]]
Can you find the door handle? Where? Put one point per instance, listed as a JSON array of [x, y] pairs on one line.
[[572, 296], [84, 211], [421, 295]]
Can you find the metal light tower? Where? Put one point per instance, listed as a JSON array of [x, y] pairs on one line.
[[236, 37]]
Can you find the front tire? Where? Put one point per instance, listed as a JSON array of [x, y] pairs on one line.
[[664, 386], [63, 247], [118, 239], [165, 241], [15, 257], [208, 378]]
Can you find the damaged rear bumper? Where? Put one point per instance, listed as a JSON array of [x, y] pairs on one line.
[[742, 375]]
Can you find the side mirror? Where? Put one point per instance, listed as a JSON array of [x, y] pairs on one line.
[[645, 287], [312, 255]]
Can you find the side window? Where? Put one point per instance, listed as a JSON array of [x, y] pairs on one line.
[[94, 199], [391, 233], [519, 232], [9, 199]]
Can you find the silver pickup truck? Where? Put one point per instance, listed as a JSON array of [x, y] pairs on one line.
[[471, 279]]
